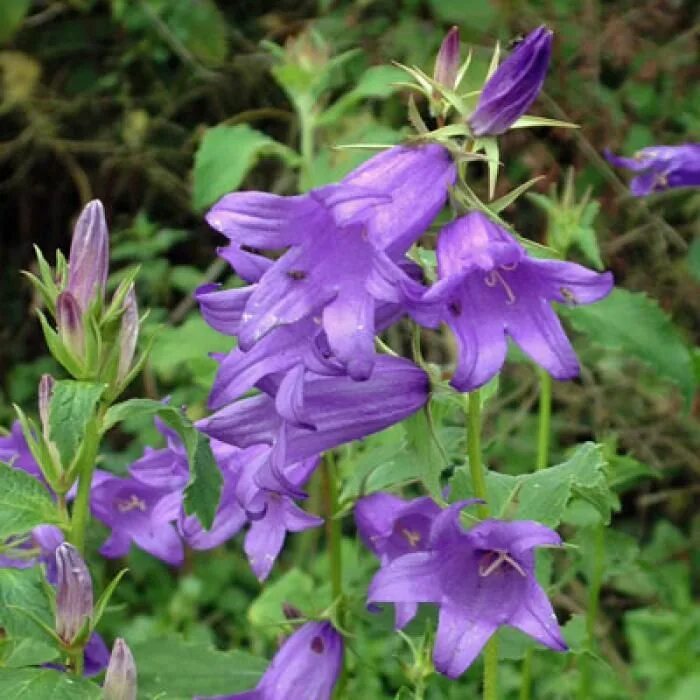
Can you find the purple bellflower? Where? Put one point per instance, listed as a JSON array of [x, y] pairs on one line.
[[336, 409], [513, 87], [88, 263], [490, 288], [15, 451], [480, 579], [391, 527], [340, 238], [661, 167], [307, 666]]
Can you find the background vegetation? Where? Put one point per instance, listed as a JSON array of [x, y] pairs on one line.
[[158, 107]]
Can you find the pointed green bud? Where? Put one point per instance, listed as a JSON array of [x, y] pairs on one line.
[[120, 679]]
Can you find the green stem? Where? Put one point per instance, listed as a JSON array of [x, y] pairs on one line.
[[544, 432], [80, 515], [473, 410], [330, 497], [76, 662], [307, 127], [543, 440], [476, 468]]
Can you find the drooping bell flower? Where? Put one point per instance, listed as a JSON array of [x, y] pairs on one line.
[[513, 87], [73, 593], [447, 60], [335, 409], [661, 167], [480, 579], [88, 263], [307, 666], [136, 512], [120, 678], [391, 527], [339, 237], [490, 289]]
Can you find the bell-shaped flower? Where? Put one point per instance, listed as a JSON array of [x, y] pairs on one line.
[[481, 579], [391, 527], [136, 512], [121, 676], [490, 288], [513, 87], [88, 263], [661, 167], [339, 237], [73, 593], [335, 410], [307, 666]]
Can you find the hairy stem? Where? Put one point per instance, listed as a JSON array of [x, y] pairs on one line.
[[80, 515]]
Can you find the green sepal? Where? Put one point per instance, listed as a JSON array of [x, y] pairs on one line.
[[529, 120], [59, 350], [501, 203], [43, 451], [116, 307], [103, 601]]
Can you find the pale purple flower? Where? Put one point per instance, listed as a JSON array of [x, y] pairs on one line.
[[121, 676], [340, 237], [307, 666], [88, 263], [490, 289], [128, 334], [336, 409], [73, 593], [15, 451], [447, 60], [131, 510], [661, 167], [391, 527], [481, 579], [513, 87]]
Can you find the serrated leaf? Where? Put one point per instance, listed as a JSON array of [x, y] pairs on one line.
[[24, 503], [634, 324], [24, 605], [73, 404], [173, 669], [224, 158], [45, 684]]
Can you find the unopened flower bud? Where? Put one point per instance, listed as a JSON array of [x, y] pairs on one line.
[[128, 334], [120, 679], [46, 384], [73, 593], [88, 264], [69, 320], [447, 61], [511, 90]]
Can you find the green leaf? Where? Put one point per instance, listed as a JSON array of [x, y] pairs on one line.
[[295, 588], [224, 158], [204, 486], [12, 14], [24, 503], [73, 405], [45, 684], [17, 653], [174, 669], [424, 452], [24, 604], [635, 324], [201, 27]]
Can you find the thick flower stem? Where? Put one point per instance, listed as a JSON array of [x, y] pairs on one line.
[[543, 440], [76, 662], [330, 498], [80, 514], [473, 410]]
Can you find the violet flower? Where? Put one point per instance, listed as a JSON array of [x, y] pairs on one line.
[[130, 508], [88, 263], [307, 666], [15, 451], [490, 288], [340, 237], [480, 579], [73, 593], [337, 410], [513, 87], [391, 527], [661, 167]]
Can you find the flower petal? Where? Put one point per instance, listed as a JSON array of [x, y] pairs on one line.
[[568, 283], [250, 267], [411, 578], [535, 617], [223, 309]]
